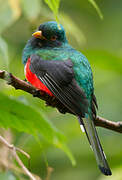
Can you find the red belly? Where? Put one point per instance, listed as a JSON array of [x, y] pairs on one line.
[[33, 79]]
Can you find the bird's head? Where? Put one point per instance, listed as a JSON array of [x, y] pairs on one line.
[[50, 34]]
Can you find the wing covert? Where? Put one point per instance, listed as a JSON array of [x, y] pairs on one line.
[[58, 77]]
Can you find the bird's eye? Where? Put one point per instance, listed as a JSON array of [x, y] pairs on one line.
[[53, 38]]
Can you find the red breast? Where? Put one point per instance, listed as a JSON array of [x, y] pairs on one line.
[[33, 79]]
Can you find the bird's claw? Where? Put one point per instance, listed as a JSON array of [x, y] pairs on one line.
[[36, 93]]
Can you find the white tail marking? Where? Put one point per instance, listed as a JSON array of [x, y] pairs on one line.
[[82, 128], [104, 154]]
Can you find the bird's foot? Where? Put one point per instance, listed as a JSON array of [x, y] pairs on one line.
[[36, 93], [25, 80]]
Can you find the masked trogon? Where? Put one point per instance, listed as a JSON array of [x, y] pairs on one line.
[[52, 65]]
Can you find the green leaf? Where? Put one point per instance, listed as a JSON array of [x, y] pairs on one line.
[[94, 4], [4, 59], [31, 8], [54, 6], [15, 114]]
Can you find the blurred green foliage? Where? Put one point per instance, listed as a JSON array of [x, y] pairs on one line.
[[16, 114], [101, 42]]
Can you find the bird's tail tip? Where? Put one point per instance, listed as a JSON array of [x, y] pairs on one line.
[[105, 171]]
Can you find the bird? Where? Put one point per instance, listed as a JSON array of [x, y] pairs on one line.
[[53, 66]]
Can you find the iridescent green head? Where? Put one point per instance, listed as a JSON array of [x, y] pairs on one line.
[[48, 35], [51, 31]]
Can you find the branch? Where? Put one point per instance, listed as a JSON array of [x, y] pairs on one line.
[[114, 126], [14, 152], [53, 101]]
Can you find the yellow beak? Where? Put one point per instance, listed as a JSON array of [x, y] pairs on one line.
[[38, 34]]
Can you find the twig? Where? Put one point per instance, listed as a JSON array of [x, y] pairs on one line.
[[4, 152], [114, 126], [49, 172], [54, 102], [13, 150], [23, 152]]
